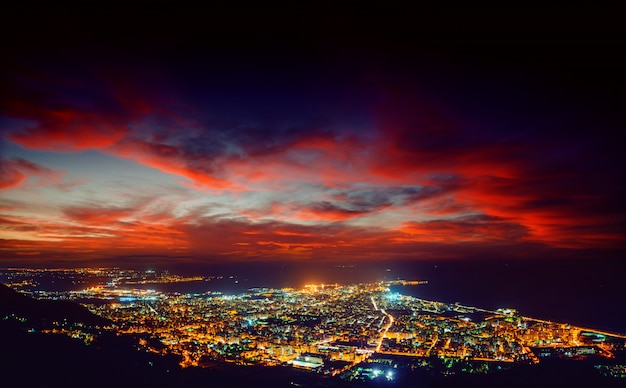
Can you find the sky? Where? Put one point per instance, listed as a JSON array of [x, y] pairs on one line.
[[311, 133]]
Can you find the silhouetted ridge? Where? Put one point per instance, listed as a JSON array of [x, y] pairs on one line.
[[45, 312]]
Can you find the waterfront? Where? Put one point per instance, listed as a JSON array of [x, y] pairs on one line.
[[590, 295]]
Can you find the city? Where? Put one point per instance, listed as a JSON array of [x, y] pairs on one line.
[[313, 194], [329, 329]]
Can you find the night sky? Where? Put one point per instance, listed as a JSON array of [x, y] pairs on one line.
[[318, 132]]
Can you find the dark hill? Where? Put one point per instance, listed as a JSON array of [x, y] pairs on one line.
[[42, 313]]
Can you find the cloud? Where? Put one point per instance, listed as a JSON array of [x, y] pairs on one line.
[[61, 112], [171, 159], [97, 214], [545, 173], [349, 202], [18, 172], [96, 231], [477, 228], [438, 174], [333, 212], [69, 131]]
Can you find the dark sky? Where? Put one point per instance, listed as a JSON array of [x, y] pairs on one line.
[[312, 132]]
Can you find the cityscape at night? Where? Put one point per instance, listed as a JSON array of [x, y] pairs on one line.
[[355, 333], [315, 194]]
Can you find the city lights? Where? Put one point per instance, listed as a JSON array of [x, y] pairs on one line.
[[323, 327]]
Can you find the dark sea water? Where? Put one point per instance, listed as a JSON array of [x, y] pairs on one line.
[[581, 292]]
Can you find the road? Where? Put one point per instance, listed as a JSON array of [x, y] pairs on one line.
[[383, 333]]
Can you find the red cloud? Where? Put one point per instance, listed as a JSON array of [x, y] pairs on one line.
[[88, 236], [531, 177], [172, 160], [67, 130], [468, 228], [510, 185], [98, 215], [72, 112], [16, 172]]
